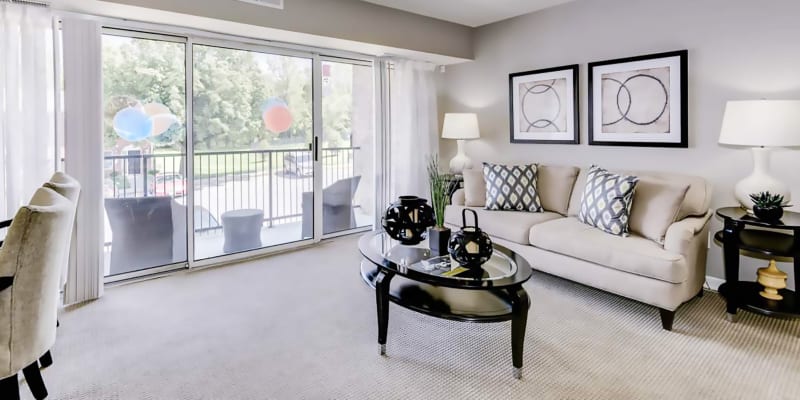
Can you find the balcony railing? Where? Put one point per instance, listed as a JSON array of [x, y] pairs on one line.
[[271, 180]]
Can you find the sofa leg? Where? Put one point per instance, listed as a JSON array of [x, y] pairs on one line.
[[35, 382], [667, 317], [700, 293], [9, 388], [46, 360]]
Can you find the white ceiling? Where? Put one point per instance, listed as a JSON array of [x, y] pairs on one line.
[[470, 12]]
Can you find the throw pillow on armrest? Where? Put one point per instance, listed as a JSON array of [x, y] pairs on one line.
[[606, 201], [655, 207], [474, 188], [511, 187]]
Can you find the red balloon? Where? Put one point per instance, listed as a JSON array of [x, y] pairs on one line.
[[277, 119]]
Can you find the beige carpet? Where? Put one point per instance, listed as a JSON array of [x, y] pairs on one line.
[[302, 326]]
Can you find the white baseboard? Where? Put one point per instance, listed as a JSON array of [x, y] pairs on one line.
[[713, 283]]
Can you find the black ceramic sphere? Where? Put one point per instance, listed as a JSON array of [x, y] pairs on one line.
[[769, 214], [470, 246], [408, 219]]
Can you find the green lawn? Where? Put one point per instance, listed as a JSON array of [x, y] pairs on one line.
[[241, 163]]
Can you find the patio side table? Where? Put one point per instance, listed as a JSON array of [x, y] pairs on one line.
[[242, 230]]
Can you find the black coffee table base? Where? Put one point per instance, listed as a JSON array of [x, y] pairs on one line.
[[493, 305]]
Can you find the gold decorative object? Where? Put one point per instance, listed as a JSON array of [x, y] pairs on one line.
[[772, 279]]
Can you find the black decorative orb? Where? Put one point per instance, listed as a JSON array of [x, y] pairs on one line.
[[408, 219], [470, 246]]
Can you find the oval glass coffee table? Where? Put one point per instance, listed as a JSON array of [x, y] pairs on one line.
[[437, 286]]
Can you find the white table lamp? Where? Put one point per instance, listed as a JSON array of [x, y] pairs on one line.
[[761, 125], [460, 126]]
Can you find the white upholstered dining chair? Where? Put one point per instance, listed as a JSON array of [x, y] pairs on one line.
[[31, 260], [70, 188]]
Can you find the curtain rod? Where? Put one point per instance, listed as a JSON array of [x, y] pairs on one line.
[[34, 3]]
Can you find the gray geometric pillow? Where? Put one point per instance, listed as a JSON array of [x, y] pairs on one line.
[[606, 201], [511, 187]]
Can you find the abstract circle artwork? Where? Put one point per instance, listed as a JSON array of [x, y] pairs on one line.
[[636, 101], [541, 106]]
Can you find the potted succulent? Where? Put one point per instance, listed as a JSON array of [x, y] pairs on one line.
[[438, 235], [768, 206]]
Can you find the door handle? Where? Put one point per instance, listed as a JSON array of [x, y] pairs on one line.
[[316, 148]]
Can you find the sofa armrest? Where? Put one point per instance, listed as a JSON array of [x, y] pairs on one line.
[[681, 233], [458, 198]]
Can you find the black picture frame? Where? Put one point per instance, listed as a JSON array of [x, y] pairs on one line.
[[572, 73], [683, 102]]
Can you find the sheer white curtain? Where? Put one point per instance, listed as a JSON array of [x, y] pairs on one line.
[[414, 126], [27, 121]]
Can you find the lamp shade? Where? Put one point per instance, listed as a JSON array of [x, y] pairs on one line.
[[767, 123], [460, 126]]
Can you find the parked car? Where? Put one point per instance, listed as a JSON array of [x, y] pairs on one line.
[[169, 185], [299, 164]]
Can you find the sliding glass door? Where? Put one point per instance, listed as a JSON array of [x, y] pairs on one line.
[[144, 93], [347, 153], [253, 167], [215, 148]]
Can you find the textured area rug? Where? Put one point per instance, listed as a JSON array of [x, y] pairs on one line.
[[302, 325]]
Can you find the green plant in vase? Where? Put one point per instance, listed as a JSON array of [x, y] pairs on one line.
[[767, 206], [438, 235]]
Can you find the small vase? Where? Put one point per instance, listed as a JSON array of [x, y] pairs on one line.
[[438, 237], [769, 214]]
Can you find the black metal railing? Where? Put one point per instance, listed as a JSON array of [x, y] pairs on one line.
[[271, 180]]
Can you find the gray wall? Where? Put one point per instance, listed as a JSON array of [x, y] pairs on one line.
[[342, 19], [738, 49]]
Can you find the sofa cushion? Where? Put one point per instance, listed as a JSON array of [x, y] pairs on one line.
[[655, 206], [633, 254], [474, 188], [555, 184], [509, 225], [511, 187], [695, 203], [606, 201]]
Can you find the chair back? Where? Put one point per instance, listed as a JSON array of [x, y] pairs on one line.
[[142, 230], [32, 254], [65, 185], [341, 192], [70, 188]]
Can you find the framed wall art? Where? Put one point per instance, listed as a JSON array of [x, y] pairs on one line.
[[544, 105], [639, 101]]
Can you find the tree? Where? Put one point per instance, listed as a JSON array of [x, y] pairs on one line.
[[229, 87], [139, 71]]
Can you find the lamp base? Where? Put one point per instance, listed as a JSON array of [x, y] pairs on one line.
[[759, 181], [460, 162]]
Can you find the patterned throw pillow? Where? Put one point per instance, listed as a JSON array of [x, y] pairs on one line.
[[511, 187], [606, 200]]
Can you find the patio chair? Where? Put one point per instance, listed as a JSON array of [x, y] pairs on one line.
[[203, 219], [143, 231], [337, 207]]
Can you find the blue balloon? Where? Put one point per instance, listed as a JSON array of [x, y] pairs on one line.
[[272, 102], [132, 124]]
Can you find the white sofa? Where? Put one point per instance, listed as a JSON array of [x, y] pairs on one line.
[[554, 241]]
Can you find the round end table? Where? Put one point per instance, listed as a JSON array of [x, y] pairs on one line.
[[782, 243]]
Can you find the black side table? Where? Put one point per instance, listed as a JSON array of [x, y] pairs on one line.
[[736, 238]]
